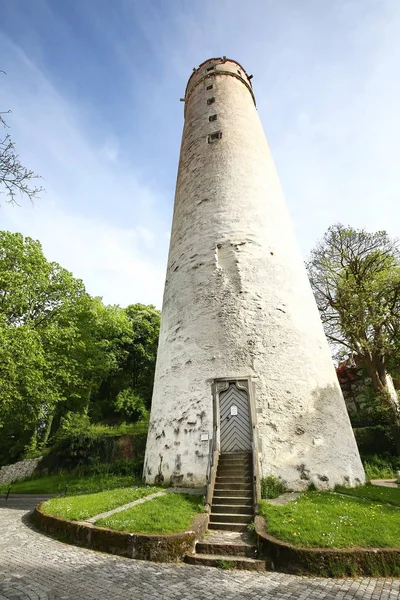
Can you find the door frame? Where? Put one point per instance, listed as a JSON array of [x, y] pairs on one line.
[[221, 384]]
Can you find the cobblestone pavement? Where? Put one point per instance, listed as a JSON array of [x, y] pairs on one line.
[[34, 567]]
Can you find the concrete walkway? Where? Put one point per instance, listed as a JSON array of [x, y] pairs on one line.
[[386, 483]]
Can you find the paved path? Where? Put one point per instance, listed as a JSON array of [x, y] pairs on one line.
[[21, 501], [34, 567], [385, 483]]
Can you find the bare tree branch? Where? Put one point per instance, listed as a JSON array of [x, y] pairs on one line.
[[15, 179]]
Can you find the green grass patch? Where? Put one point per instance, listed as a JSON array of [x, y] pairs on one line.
[[77, 484], [325, 520], [77, 508], [373, 492], [171, 513]]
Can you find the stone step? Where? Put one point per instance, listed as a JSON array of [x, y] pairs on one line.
[[238, 509], [230, 479], [225, 561], [231, 518], [238, 473], [240, 527], [234, 461], [237, 454], [235, 500], [229, 485], [227, 492], [238, 477], [240, 549], [235, 470]]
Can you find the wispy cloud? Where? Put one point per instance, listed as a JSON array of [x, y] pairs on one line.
[[112, 261], [95, 97], [97, 217]]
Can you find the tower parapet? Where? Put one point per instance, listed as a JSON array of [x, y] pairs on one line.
[[217, 67]]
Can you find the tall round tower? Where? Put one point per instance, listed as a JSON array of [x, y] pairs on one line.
[[243, 363]]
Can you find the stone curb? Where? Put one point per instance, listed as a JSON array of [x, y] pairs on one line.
[[157, 548], [325, 562]]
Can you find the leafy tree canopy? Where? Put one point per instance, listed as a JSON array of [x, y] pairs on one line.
[[355, 277], [63, 352]]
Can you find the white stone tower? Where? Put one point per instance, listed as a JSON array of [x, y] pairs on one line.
[[243, 363]]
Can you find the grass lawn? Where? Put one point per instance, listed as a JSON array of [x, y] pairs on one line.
[[325, 520], [171, 513], [373, 492], [55, 484], [77, 508]]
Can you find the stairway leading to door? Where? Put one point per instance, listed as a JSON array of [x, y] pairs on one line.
[[232, 510], [233, 500]]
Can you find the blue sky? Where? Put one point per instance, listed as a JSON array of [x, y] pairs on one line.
[[94, 90]]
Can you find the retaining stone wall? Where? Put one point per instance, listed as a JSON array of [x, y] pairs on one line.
[[325, 562], [19, 470], [157, 548]]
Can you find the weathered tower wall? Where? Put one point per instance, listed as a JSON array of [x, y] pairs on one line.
[[238, 303]]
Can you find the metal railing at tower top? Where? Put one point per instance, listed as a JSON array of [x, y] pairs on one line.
[[213, 458]]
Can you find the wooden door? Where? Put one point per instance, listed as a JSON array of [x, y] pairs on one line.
[[235, 426]]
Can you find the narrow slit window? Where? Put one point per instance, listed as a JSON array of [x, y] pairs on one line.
[[213, 137], [212, 118], [209, 87], [239, 72], [210, 68], [210, 101]]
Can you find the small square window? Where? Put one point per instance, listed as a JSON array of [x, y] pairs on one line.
[[212, 118], [209, 87], [210, 68], [210, 101], [213, 137]]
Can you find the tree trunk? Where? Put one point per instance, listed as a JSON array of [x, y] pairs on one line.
[[32, 442], [48, 429]]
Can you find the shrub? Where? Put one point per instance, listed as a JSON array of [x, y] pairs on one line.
[[374, 440], [96, 452], [73, 424], [381, 467], [272, 487]]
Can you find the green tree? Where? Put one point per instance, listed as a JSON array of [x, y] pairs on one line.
[[22, 376], [141, 360], [41, 307], [355, 277], [126, 392], [64, 356]]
